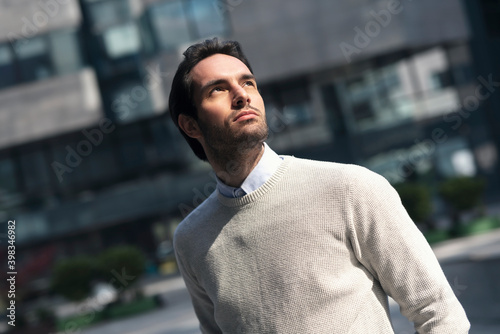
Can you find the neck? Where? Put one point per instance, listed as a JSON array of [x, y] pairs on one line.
[[234, 168]]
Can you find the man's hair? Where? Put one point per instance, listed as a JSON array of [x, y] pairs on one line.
[[181, 94]]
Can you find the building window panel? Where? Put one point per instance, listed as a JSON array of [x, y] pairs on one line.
[[132, 148], [66, 161], [104, 14], [130, 100], [65, 51], [297, 107], [7, 69], [34, 58], [103, 165], [35, 171], [8, 183], [122, 40], [208, 20], [162, 140], [171, 24]]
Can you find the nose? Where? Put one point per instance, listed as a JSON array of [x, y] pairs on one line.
[[241, 98]]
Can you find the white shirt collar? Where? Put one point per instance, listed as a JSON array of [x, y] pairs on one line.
[[267, 165]]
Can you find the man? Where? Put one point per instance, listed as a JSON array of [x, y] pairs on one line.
[[287, 245]]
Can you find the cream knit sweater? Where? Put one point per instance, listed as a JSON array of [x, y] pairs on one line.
[[316, 249]]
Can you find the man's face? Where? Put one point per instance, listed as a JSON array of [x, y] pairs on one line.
[[231, 112]]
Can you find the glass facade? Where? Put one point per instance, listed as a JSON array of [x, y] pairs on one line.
[[290, 103], [415, 87], [178, 22], [40, 57]]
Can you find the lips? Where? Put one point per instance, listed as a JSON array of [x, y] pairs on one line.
[[244, 115]]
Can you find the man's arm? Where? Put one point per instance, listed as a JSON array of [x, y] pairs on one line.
[[202, 304], [388, 243]]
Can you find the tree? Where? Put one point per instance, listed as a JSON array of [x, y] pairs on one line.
[[462, 194], [416, 199], [72, 277], [122, 265]]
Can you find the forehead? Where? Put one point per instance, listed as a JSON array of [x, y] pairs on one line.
[[218, 66]]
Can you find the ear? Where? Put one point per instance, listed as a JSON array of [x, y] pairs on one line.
[[189, 125]]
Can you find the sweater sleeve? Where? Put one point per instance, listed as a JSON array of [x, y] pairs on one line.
[[387, 242], [202, 304]]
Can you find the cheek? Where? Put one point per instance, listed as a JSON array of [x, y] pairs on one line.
[[261, 106], [213, 114]]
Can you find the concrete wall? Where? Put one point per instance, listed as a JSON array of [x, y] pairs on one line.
[[27, 18], [287, 37], [49, 107]]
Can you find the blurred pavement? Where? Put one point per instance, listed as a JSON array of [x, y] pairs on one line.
[[472, 266]]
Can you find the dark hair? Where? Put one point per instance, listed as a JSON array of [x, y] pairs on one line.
[[181, 98]]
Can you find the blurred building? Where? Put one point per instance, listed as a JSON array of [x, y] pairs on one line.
[[89, 157]]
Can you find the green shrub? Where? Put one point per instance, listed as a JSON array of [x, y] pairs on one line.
[[72, 277], [435, 236], [122, 265], [480, 225], [416, 199], [462, 193]]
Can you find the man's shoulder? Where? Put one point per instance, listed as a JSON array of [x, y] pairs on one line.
[[341, 176], [348, 171], [193, 223]]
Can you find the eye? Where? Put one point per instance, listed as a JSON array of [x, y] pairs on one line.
[[249, 83], [216, 89]]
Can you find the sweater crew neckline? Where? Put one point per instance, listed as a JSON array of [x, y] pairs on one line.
[[256, 194]]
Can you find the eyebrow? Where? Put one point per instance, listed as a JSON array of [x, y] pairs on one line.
[[216, 82]]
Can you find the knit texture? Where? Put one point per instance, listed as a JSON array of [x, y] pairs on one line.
[[316, 249]]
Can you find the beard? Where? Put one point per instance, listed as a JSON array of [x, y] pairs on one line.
[[226, 143]]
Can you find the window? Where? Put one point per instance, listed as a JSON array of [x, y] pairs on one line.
[[297, 107], [65, 163], [130, 99], [436, 91], [39, 57], [104, 14], [103, 166], [454, 158], [7, 69], [179, 22], [207, 19], [170, 24], [416, 87], [289, 103], [132, 148], [377, 97], [33, 56], [165, 147], [34, 167], [122, 40], [330, 99], [8, 183], [113, 24], [65, 51]]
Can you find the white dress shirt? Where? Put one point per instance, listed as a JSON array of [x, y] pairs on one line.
[[268, 164]]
